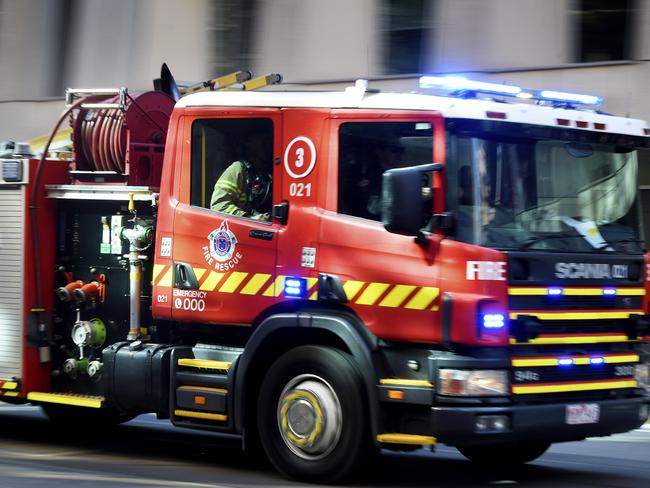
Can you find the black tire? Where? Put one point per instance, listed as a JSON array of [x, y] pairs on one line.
[[311, 415], [504, 455], [82, 417]]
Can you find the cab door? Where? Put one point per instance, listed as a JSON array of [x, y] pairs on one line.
[[224, 264]]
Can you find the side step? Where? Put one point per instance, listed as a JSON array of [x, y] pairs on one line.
[[407, 439], [73, 399], [9, 388], [200, 386]]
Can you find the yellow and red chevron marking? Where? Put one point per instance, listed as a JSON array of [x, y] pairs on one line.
[[8, 385], [388, 295], [392, 295], [529, 388]]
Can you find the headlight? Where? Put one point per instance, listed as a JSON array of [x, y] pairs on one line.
[[479, 382], [642, 375]]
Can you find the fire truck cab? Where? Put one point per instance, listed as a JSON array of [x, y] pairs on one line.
[[327, 273]]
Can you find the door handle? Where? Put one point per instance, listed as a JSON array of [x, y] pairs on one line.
[[184, 277], [266, 235]]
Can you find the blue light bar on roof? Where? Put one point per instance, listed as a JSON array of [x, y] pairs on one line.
[[570, 98], [458, 83]]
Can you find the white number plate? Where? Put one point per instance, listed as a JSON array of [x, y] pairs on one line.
[[584, 413]]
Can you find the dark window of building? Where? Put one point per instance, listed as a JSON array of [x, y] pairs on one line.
[[406, 30], [240, 151], [366, 150], [604, 30], [229, 34]]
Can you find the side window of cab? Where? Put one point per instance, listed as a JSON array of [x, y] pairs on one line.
[[232, 165], [366, 150]]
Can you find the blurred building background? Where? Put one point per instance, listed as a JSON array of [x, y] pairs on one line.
[[592, 46]]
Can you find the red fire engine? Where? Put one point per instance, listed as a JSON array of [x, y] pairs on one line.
[[406, 269]]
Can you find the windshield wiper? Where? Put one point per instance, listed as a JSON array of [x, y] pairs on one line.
[[535, 240], [619, 241]]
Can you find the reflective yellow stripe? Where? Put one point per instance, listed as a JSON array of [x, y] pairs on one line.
[[201, 415], [351, 288], [9, 393], [204, 364], [199, 272], [233, 281], [396, 296], [625, 358], [405, 382], [605, 385], [211, 281], [522, 291], [423, 298], [574, 340], [157, 268], [229, 187], [166, 280], [412, 439], [67, 399], [255, 284], [576, 315], [203, 388], [8, 385], [630, 291], [553, 361], [275, 289], [372, 292], [534, 362]]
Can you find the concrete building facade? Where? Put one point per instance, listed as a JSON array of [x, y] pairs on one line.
[[591, 46]]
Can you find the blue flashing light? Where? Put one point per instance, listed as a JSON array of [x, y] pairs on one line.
[[570, 98], [494, 320], [458, 83], [597, 360], [565, 361], [554, 292], [609, 292], [295, 287]]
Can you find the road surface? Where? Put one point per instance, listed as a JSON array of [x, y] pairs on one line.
[[150, 453]]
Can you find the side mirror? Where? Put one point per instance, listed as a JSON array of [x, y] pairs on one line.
[[402, 198]]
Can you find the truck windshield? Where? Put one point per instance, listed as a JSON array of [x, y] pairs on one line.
[[544, 194]]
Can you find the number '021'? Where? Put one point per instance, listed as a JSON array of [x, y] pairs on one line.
[[300, 189]]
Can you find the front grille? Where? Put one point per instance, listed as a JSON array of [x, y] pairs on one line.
[[588, 372], [581, 327], [575, 303]]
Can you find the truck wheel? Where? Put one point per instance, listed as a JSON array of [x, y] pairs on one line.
[[504, 454], [311, 415]]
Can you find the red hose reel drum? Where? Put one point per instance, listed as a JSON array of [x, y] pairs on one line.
[[127, 144]]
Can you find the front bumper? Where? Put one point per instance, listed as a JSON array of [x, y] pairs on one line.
[[454, 425]]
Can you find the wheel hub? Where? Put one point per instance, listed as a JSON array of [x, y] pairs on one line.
[[309, 417]]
